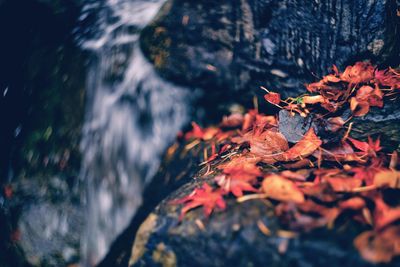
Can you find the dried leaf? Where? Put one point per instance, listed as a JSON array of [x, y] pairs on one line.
[[204, 196], [267, 145], [238, 177], [273, 98], [384, 214], [378, 247], [279, 188], [305, 147], [361, 72], [387, 178]]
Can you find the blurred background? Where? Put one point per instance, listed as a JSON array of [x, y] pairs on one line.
[[92, 92]]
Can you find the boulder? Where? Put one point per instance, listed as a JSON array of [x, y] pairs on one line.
[[236, 46], [245, 234]]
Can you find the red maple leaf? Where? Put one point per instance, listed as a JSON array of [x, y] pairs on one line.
[[199, 133], [305, 147], [273, 98], [361, 72], [388, 78], [238, 178], [384, 214], [369, 148], [265, 144], [365, 98], [204, 196]]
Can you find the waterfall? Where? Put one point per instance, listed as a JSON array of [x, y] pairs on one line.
[[132, 115]]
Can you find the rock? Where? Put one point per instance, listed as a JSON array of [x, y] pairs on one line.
[[49, 220], [178, 166], [41, 110], [234, 238], [236, 46], [293, 126], [383, 123], [379, 122]]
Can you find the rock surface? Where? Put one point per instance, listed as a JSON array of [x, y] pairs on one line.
[[50, 221], [41, 110], [380, 122], [234, 238], [240, 45], [237, 236]]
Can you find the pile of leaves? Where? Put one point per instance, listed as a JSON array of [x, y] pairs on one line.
[[315, 181]]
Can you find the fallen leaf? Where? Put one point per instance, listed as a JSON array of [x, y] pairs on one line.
[[204, 196], [387, 178], [344, 184], [305, 147], [279, 188], [360, 72], [273, 98], [378, 247], [238, 178], [384, 214], [267, 145]]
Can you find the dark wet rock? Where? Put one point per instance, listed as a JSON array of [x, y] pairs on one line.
[[178, 167], [383, 122], [50, 222], [293, 126], [41, 110], [379, 122], [233, 238], [236, 46]]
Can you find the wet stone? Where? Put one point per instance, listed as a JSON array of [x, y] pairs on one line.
[[238, 237]]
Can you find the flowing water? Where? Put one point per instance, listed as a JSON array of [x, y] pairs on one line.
[[132, 115]]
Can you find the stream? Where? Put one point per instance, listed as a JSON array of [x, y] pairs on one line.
[[131, 116]]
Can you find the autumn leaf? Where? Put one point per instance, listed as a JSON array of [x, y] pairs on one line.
[[384, 214], [367, 173], [354, 203], [267, 145], [388, 78], [344, 184], [279, 188], [379, 247], [360, 72], [313, 99], [369, 148], [335, 124], [199, 133], [239, 177], [232, 121], [235, 185], [387, 178], [365, 98], [273, 98], [252, 119], [305, 147], [342, 152], [204, 196]]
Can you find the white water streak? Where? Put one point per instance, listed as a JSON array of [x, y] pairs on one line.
[[132, 115]]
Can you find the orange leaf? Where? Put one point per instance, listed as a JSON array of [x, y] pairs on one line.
[[273, 98], [378, 247], [204, 196], [282, 189], [344, 184], [361, 72], [267, 145], [384, 214], [387, 178], [305, 147], [355, 203], [198, 133], [238, 177]]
